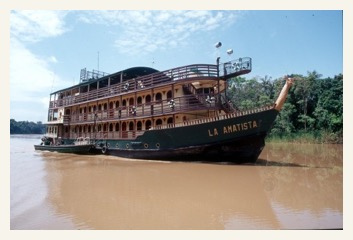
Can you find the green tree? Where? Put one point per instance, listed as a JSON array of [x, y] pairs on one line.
[[284, 124], [329, 109], [305, 93], [25, 127], [313, 106]]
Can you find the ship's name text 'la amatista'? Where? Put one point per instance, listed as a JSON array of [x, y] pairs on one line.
[[233, 128]]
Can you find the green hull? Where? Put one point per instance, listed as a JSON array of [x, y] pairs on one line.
[[231, 138], [80, 149]]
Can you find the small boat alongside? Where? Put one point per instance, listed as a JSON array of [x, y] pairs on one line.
[[80, 146]]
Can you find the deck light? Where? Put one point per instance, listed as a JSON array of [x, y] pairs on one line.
[[218, 45]]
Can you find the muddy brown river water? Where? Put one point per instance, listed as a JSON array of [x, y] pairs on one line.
[[291, 186]]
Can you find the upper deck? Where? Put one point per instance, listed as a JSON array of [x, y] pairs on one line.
[[126, 82]]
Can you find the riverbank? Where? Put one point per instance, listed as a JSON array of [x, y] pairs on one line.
[[322, 137]]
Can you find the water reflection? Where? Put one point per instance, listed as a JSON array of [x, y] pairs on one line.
[[309, 193], [287, 184], [310, 155]]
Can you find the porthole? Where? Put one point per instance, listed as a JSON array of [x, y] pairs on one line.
[[145, 145], [158, 145], [127, 145]]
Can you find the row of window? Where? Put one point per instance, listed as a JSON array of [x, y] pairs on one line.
[[116, 104], [125, 126]]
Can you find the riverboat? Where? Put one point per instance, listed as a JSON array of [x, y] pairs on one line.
[[179, 114]]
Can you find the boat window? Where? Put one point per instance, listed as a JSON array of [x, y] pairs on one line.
[[169, 95], [148, 98], [139, 100], [105, 106], [158, 97], [139, 126], [117, 127], [110, 127], [170, 120], [148, 124], [124, 102], [131, 101], [159, 122], [131, 126], [55, 115], [117, 103]]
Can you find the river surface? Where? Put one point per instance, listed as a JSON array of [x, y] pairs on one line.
[[291, 186]]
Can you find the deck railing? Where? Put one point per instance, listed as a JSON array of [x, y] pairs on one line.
[[156, 108]]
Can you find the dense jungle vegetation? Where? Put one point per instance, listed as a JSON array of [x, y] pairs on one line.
[[313, 111], [25, 127]]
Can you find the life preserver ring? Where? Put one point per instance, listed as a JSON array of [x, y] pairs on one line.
[[104, 149]]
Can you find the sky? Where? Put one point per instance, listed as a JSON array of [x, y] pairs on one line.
[[49, 48]]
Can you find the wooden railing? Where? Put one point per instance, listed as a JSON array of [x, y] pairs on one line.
[[171, 106]]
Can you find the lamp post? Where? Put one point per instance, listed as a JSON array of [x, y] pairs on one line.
[[229, 53], [218, 45]]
